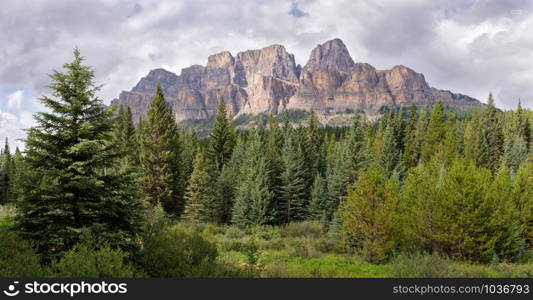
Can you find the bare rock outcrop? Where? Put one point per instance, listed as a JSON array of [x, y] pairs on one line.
[[269, 80]]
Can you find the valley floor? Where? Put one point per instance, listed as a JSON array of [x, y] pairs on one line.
[[303, 250]]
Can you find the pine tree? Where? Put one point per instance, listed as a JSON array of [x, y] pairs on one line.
[[490, 141], [471, 135], [389, 159], [6, 167], [68, 190], [199, 205], [124, 139], [254, 201], [337, 179], [435, 132], [369, 215], [317, 205], [523, 200], [161, 182], [222, 138], [356, 154], [293, 189], [410, 157]]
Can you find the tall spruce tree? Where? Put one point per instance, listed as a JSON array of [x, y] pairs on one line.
[[435, 132], [490, 140], [199, 202], [222, 138], [293, 189], [410, 157], [161, 182], [68, 190], [254, 201], [317, 209], [369, 215], [6, 170], [124, 139], [389, 159]]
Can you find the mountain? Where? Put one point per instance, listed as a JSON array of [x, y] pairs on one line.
[[269, 80]]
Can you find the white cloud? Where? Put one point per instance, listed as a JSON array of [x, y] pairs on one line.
[[10, 127], [466, 46], [15, 99]]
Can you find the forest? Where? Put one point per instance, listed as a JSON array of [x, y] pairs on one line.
[[426, 191]]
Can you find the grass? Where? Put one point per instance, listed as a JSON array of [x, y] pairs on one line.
[[303, 250]]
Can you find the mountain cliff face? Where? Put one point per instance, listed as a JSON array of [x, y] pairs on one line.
[[268, 80]]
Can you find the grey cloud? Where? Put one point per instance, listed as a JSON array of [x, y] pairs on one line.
[[124, 39]]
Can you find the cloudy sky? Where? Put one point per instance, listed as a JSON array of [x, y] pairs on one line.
[[470, 47]]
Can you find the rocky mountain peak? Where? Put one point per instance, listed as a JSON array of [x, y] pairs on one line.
[[220, 60], [148, 84], [268, 80], [331, 55]]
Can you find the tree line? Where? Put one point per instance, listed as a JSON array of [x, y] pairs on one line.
[[417, 179]]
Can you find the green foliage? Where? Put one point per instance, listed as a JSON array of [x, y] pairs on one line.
[[160, 153], [309, 229], [489, 146], [420, 265], [199, 195], [17, 256], [68, 189], [461, 212], [369, 215], [254, 202], [317, 208], [435, 132], [293, 190], [222, 138], [86, 260], [178, 252]]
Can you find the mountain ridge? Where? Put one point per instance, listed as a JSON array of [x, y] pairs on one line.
[[269, 80]]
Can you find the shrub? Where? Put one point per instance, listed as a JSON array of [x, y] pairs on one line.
[[234, 232], [420, 265], [84, 260], [232, 245], [178, 252], [17, 257], [310, 229], [304, 248], [275, 244]]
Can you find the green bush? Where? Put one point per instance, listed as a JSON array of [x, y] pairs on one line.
[[421, 265], [84, 260], [233, 245], [17, 257], [309, 229], [234, 232], [274, 244], [178, 252], [304, 248]]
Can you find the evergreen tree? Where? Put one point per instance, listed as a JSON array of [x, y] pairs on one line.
[[523, 201], [369, 215], [68, 190], [199, 205], [471, 134], [160, 151], [6, 168], [389, 159], [356, 154], [124, 139], [435, 132], [410, 157], [317, 208], [293, 189], [254, 201], [222, 138], [490, 140]]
